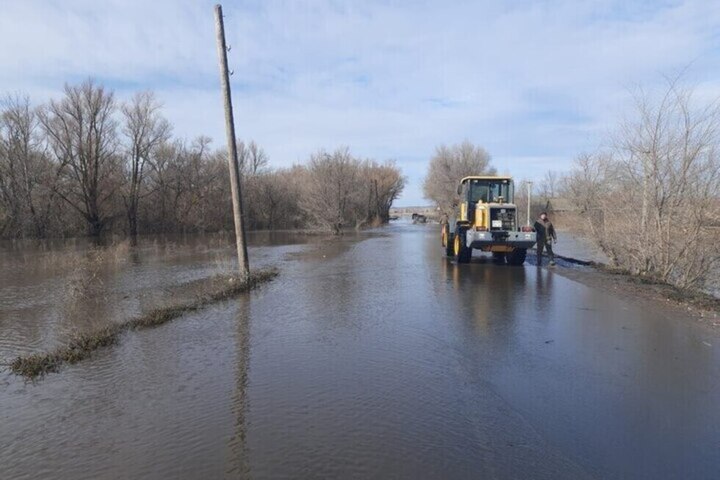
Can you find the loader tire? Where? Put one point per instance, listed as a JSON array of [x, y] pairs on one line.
[[517, 256], [461, 251], [499, 257], [447, 240], [449, 247]]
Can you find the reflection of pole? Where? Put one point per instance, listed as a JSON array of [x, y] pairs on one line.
[[529, 187], [232, 147], [238, 464]]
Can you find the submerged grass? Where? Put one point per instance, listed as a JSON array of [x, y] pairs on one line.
[[83, 345]]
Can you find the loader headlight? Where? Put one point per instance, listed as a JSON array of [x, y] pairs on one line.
[[496, 224]]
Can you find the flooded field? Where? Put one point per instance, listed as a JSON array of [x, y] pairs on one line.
[[370, 356], [49, 290]]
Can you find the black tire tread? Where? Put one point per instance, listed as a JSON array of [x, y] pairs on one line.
[[517, 257], [465, 252]]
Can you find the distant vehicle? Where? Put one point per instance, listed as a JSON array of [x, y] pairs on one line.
[[418, 218], [485, 218]]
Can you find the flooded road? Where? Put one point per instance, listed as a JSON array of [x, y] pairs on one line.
[[371, 356]]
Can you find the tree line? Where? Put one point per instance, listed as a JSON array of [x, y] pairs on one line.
[[87, 163], [651, 197]]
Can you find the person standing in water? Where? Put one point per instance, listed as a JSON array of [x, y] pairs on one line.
[[545, 237]]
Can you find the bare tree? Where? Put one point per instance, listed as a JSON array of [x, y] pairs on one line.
[[27, 176], [549, 185], [383, 184], [276, 196], [331, 189], [252, 159], [145, 131], [448, 166], [191, 181], [339, 190], [654, 192], [81, 130], [592, 186], [160, 182]]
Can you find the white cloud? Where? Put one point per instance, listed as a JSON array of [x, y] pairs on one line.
[[535, 82]]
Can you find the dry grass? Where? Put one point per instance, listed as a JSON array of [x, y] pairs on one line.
[[83, 345]]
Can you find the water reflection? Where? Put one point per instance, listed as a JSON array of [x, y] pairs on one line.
[[486, 291], [543, 291], [239, 462]]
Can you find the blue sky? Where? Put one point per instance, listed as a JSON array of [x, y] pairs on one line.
[[534, 82]]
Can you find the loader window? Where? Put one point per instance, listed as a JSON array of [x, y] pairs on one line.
[[490, 191], [479, 192]]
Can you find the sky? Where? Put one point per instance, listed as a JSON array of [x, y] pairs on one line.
[[533, 82]]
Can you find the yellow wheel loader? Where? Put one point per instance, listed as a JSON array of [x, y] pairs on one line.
[[485, 218]]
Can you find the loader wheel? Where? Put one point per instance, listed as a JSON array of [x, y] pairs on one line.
[[447, 240], [460, 249], [499, 257], [449, 247], [517, 256]]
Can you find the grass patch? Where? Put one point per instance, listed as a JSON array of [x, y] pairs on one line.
[[83, 345]]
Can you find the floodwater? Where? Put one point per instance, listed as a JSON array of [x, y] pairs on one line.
[[371, 356]]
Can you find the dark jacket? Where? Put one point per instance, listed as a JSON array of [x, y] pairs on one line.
[[545, 231]]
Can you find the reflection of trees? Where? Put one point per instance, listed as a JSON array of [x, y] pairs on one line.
[[486, 292], [134, 256], [239, 465]]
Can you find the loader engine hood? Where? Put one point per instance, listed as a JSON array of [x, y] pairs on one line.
[[501, 216]]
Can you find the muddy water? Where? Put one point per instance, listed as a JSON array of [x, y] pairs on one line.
[[49, 290], [369, 357]]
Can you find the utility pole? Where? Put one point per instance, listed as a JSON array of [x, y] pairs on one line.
[[529, 187], [232, 146]]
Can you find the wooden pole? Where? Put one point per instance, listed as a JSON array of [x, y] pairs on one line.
[[529, 187], [232, 146]]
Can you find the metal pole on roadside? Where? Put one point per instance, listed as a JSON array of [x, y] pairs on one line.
[[232, 146], [529, 187]]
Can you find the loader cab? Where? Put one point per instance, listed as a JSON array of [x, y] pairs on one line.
[[487, 189], [484, 190]]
